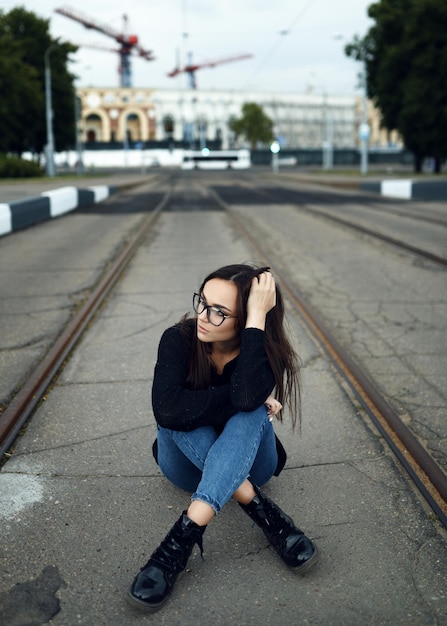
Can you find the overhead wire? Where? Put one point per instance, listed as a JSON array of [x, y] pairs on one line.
[[282, 34]]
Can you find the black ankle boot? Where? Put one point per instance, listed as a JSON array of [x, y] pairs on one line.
[[295, 549], [153, 585]]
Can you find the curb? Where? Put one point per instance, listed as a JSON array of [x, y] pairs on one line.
[[408, 189], [23, 213]]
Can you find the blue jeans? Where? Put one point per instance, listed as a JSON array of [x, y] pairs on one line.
[[212, 466]]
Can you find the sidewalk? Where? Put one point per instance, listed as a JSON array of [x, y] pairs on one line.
[[15, 190], [25, 203], [83, 504]]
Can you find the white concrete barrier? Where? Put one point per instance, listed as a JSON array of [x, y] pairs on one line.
[[62, 200], [5, 219], [101, 192], [397, 188], [49, 204]]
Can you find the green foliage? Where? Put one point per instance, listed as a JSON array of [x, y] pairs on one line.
[[254, 125], [14, 167], [24, 39], [405, 53]]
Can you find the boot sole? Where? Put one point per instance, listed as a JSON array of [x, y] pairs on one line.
[[302, 569], [150, 608], [143, 606]]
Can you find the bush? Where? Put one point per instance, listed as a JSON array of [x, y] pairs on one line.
[[14, 167]]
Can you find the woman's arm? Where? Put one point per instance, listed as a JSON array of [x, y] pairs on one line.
[[261, 300], [253, 379]]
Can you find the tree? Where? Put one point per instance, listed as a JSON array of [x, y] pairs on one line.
[[405, 57], [254, 125], [24, 39], [21, 101]]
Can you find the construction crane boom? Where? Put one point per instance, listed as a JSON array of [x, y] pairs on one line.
[[128, 43], [191, 68]]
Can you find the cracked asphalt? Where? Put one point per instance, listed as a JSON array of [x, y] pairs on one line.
[[387, 308], [82, 502]]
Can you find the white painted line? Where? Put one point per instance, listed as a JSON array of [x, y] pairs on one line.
[[18, 491]]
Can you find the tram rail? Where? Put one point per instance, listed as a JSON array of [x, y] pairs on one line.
[[365, 230], [422, 468], [33, 390]]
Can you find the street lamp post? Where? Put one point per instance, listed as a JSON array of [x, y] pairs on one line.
[[364, 126], [364, 129], [274, 149], [125, 141], [328, 138], [79, 164], [49, 148]]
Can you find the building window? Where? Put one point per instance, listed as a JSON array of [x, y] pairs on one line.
[[133, 130], [168, 126], [93, 127]]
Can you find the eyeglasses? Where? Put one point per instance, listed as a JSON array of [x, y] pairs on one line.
[[215, 316]]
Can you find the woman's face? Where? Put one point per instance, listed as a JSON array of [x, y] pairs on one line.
[[221, 294]]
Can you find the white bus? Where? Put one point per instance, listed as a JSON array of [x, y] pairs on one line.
[[216, 159]]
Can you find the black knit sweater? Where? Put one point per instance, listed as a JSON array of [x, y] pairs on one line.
[[244, 384]]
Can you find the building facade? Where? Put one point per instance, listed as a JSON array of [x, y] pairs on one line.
[[132, 116]]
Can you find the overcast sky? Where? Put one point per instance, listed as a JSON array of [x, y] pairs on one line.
[[297, 45]]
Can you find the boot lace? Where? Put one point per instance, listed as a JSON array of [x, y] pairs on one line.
[[175, 549]]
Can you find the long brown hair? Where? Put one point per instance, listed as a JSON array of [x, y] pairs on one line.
[[283, 359]]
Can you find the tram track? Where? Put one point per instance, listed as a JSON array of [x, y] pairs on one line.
[[398, 243], [21, 407], [424, 471], [379, 204], [422, 468]]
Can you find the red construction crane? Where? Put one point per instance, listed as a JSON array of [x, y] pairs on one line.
[[191, 68], [128, 43]]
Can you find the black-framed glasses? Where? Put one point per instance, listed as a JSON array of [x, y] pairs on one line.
[[215, 316]]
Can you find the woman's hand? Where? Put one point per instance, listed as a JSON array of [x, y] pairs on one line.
[[261, 300], [273, 407]]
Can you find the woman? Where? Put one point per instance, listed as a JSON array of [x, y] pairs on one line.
[[213, 399]]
